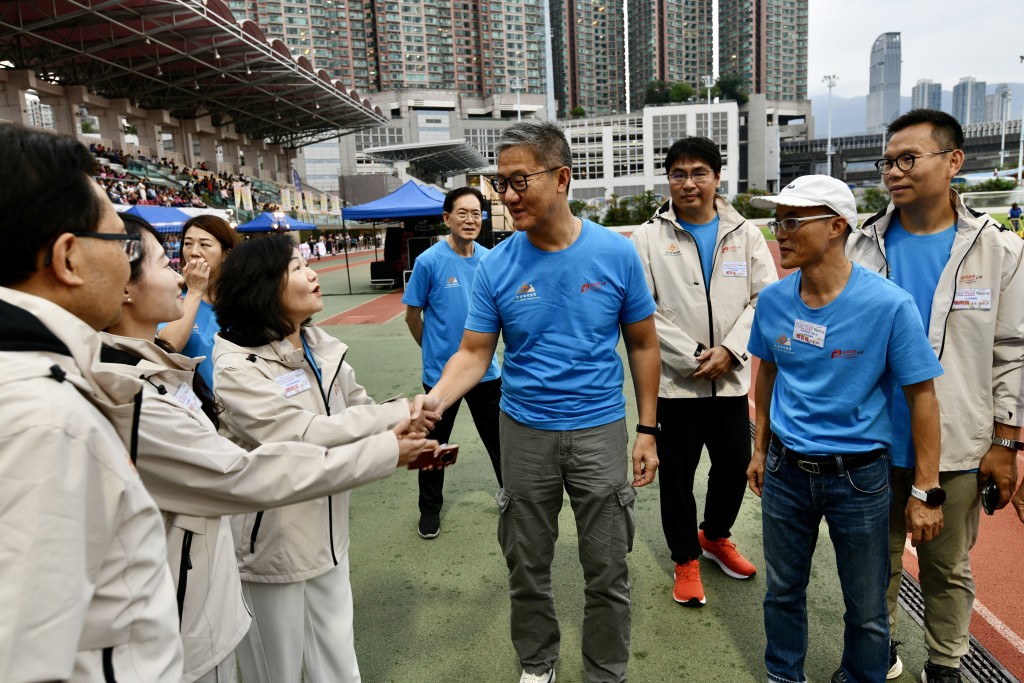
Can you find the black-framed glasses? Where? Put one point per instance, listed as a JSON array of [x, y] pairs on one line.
[[699, 177], [516, 182], [131, 244], [793, 224], [904, 162]]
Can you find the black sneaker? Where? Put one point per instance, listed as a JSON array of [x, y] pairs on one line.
[[936, 673], [895, 664], [430, 525]]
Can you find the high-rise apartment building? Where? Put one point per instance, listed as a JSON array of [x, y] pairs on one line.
[[969, 100], [997, 105], [926, 95], [671, 41], [883, 104], [589, 57], [765, 42], [478, 47]]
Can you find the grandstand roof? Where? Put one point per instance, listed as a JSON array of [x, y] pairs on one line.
[[446, 158], [189, 57]]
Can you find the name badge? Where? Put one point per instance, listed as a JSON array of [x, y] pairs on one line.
[[809, 333], [186, 397], [734, 269], [970, 297], [294, 382]]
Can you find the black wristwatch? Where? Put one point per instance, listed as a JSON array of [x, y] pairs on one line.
[[700, 349], [653, 431], [932, 497]]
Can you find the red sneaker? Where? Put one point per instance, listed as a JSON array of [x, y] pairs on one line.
[[688, 589], [723, 552]]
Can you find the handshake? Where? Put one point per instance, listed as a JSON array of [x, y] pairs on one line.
[[415, 450]]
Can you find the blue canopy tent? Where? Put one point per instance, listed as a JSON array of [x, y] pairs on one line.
[[265, 223], [411, 200], [163, 218]]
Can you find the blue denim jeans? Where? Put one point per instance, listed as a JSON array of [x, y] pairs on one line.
[[855, 504]]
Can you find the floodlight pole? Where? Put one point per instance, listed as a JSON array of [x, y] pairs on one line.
[[829, 80], [1004, 106], [1020, 146], [708, 82]]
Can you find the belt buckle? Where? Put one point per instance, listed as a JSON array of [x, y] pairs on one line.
[[808, 466]]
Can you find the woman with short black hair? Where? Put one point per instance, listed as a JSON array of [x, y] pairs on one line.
[[282, 379]]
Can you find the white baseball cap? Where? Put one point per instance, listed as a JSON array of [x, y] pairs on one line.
[[814, 190]]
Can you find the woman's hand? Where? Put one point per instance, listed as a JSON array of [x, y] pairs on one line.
[[197, 276]]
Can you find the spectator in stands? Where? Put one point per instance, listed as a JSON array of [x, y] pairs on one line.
[[84, 584], [436, 303], [196, 475], [206, 241], [282, 379]]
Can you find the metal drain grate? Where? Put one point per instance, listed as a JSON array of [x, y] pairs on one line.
[[978, 665]]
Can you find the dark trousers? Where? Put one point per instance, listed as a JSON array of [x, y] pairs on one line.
[[687, 426], [483, 400]]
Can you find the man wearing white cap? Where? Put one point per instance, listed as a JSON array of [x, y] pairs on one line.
[[831, 339]]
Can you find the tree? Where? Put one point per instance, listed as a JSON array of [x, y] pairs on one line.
[[657, 93], [680, 92], [618, 212], [577, 112], [873, 200], [731, 87], [643, 207], [578, 207], [741, 203], [990, 185]]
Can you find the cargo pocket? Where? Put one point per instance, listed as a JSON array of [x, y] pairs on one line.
[[506, 531], [626, 495]]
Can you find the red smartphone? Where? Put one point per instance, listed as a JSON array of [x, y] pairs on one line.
[[442, 457]]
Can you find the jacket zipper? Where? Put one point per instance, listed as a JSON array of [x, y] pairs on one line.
[[255, 531], [327, 407], [184, 565], [108, 665], [136, 416]]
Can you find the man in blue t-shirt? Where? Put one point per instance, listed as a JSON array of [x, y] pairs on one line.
[[832, 338], [437, 301], [559, 291]]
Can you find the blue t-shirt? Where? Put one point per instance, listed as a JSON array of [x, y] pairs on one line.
[[559, 313], [200, 342], [705, 236], [836, 364], [441, 284], [915, 264]]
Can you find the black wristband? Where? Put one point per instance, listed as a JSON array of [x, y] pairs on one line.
[[653, 431], [700, 349]]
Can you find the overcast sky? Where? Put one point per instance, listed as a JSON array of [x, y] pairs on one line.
[[943, 40]]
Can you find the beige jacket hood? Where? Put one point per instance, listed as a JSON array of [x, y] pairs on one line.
[[690, 313], [83, 565], [271, 394], [982, 348]]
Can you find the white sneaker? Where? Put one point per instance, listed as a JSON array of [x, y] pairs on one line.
[[546, 677]]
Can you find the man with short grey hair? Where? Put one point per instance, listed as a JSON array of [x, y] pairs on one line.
[[560, 291]]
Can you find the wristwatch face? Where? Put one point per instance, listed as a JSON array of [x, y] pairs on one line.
[[935, 497]]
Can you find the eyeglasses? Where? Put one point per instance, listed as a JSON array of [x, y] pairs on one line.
[[699, 177], [516, 182], [904, 162], [793, 224], [463, 215], [131, 244]]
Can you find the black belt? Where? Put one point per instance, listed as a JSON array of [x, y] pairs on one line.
[[827, 463]]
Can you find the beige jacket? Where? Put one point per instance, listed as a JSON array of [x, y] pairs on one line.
[[690, 313], [83, 563], [261, 405], [981, 349]]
